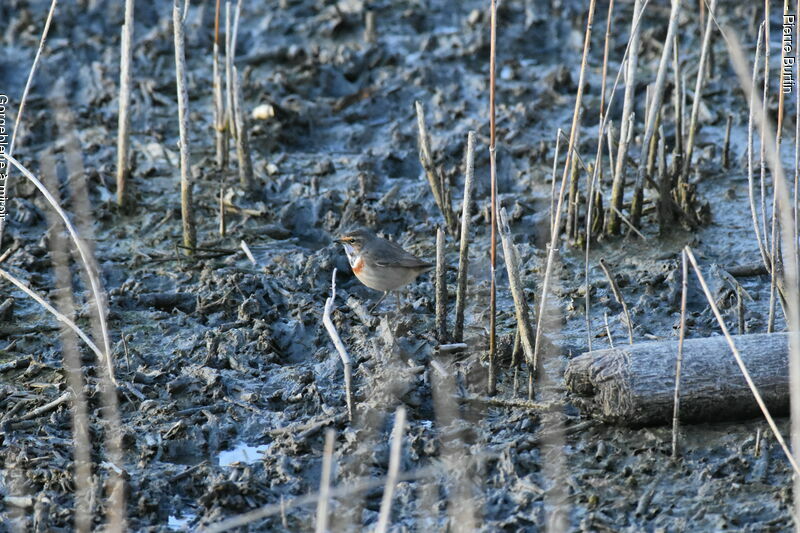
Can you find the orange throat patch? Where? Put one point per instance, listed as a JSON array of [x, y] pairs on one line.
[[358, 266]]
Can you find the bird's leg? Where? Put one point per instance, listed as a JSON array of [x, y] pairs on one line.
[[397, 295], [376, 304]]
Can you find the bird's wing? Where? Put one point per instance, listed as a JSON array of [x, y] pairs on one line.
[[387, 253]]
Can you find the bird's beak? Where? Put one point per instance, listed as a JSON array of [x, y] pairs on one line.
[[339, 240]]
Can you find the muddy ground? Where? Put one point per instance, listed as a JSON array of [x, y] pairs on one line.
[[238, 378]]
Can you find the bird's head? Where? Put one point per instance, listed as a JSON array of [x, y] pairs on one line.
[[355, 240]]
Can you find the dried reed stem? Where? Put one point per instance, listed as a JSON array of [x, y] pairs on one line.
[[325, 483], [573, 139], [441, 288], [337, 342], [553, 228], [618, 296], [242, 137], [762, 246], [726, 147], [756, 394], [435, 177], [652, 114], [394, 468], [681, 336], [511, 255], [52, 310], [763, 152], [29, 81], [220, 130], [596, 179], [493, 206], [698, 88], [626, 123], [124, 120], [790, 247], [187, 209], [25, 92], [97, 292], [463, 255]]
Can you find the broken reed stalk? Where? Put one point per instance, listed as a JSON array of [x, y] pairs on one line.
[[600, 193], [337, 342], [463, 254], [762, 247], [626, 123], [187, 209], [726, 147], [756, 394], [698, 89], [681, 336], [242, 137], [790, 247], [571, 148], [220, 130], [97, 292], [596, 180], [325, 482], [441, 289], [124, 119], [652, 114], [618, 296], [395, 450], [435, 178], [50, 309], [511, 257], [492, 380]]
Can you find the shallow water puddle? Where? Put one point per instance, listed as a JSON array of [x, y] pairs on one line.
[[241, 453], [180, 523]]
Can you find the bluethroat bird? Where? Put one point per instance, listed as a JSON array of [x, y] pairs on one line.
[[380, 264]]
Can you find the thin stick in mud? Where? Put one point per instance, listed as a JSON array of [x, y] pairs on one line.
[[242, 137], [652, 115], [681, 336], [337, 342], [626, 123], [756, 394], [187, 208], [441, 288], [619, 298], [124, 119], [698, 88], [426, 160], [571, 148], [395, 451], [511, 257], [492, 384], [220, 129], [463, 254]]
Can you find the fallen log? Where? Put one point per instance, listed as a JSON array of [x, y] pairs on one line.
[[634, 385]]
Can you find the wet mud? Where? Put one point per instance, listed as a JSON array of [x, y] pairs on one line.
[[237, 379]]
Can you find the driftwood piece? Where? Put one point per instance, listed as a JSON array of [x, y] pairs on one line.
[[634, 385]]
